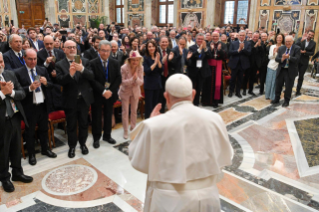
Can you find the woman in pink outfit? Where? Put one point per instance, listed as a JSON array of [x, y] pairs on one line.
[[130, 92]]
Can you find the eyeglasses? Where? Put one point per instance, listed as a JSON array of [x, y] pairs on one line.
[[70, 47], [105, 51]]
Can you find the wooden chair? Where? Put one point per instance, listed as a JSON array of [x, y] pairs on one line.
[[55, 118]]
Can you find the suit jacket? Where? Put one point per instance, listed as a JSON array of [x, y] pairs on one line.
[[72, 86], [90, 54], [128, 84], [242, 56], [8, 75], [152, 79], [256, 56], [24, 80], [310, 50], [98, 83], [176, 62], [4, 47], [192, 70], [11, 61], [293, 61], [168, 51], [120, 57], [40, 44], [43, 55]]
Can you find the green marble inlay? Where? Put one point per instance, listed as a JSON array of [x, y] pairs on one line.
[[308, 131]]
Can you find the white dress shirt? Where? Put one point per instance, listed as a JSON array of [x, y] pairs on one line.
[[2, 95], [30, 76]]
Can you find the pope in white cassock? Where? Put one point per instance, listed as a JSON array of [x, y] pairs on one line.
[[183, 152]]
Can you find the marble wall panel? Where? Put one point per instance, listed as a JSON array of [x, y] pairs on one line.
[[93, 6], [287, 2], [265, 3], [64, 20], [79, 19], [5, 12], [63, 6], [312, 2], [135, 6], [135, 19], [191, 18], [263, 18], [310, 20], [286, 21], [78, 6], [190, 4]]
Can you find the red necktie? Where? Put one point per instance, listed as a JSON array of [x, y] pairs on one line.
[[165, 65], [53, 63]]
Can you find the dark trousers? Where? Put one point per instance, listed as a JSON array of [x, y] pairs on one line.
[[107, 105], [151, 100], [198, 82], [236, 78], [262, 76], [10, 147], [77, 116], [281, 79], [39, 116], [250, 76], [161, 96], [302, 68]]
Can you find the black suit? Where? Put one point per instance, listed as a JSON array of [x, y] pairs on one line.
[[77, 97], [164, 78], [120, 57], [255, 61], [40, 44], [36, 113], [10, 133], [286, 75], [198, 75], [238, 63], [90, 54], [55, 94], [263, 68], [11, 60], [4, 47], [98, 84], [304, 59]]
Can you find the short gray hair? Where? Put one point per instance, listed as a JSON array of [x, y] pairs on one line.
[[113, 41], [242, 31], [199, 34], [104, 42], [11, 37], [289, 36]]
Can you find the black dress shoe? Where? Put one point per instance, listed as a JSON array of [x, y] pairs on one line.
[[96, 144], [49, 153], [32, 160], [238, 95], [7, 186], [71, 152], [244, 93], [252, 93], [215, 105], [274, 102], [84, 149], [298, 94], [230, 94], [110, 140], [22, 178], [285, 104]]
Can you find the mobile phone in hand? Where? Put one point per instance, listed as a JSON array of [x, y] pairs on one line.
[[77, 58]]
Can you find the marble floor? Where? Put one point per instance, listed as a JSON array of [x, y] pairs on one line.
[[275, 167]]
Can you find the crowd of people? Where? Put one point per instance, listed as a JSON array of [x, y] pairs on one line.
[[48, 69]]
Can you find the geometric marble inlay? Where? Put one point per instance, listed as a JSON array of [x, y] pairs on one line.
[[309, 134], [69, 180]]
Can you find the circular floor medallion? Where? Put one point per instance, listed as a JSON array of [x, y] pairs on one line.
[[69, 180]]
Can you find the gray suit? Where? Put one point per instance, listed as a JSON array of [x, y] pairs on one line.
[[287, 75], [120, 57]]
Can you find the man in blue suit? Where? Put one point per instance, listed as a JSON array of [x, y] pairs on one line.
[[36, 44], [13, 58], [239, 52]]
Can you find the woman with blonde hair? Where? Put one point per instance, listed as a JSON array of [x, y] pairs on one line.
[[130, 92]]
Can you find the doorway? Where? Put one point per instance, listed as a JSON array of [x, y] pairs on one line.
[[30, 13]]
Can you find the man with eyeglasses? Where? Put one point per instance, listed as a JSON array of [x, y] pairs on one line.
[[36, 104], [77, 96], [288, 57], [107, 80]]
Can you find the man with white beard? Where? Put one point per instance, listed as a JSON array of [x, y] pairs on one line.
[[182, 151], [11, 114]]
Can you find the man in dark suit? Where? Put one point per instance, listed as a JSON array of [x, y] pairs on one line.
[[164, 52], [239, 52], [288, 57], [77, 96], [11, 114], [4, 44], [92, 52], [197, 65], [265, 61], [107, 79], [48, 57], [35, 43], [177, 57], [307, 46], [35, 103], [120, 56], [255, 64], [13, 58]]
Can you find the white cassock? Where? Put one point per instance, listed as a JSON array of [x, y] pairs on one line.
[[183, 152]]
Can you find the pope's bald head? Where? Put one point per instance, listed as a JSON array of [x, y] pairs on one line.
[[48, 42]]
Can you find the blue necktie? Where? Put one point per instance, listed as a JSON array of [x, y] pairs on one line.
[[21, 59], [33, 77]]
